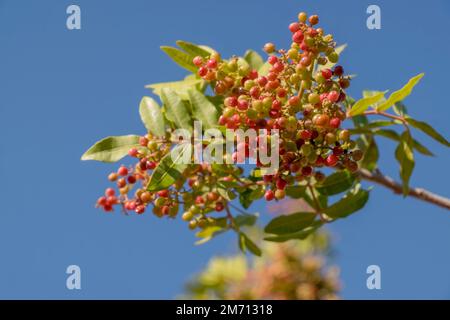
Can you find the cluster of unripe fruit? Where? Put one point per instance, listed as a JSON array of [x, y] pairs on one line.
[[299, 96]]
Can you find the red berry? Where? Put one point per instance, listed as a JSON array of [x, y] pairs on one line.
[[202, 71], [294, 100], [140, 209], [165, 210], [223, 120], [262, 81], [110, 192], [212, 64], [327, 73], [269, 195], [337, 151], [231, 102], [278, 67], [151, 165], [112, 200], [131, 179], [198, 61], [294, 27], [306, 134], [123, 171], [332, 160], [143, 141], [133, 152], [253, 74], [298, 37], [242, 105], [306, 171], [338, 71], [281, 184], [199, 200], [101, 201], [335, 123], [272, 60], [107, 207], [333, 96], [163, 193], [219, 206]]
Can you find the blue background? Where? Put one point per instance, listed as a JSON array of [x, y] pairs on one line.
[[62, 90]]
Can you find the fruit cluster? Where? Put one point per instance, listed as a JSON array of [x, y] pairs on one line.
[[301, 95]]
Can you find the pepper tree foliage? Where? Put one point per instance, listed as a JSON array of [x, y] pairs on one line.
[[298, 270], [325, 138]]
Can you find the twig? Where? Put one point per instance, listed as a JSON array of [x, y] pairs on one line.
[[396, 187]]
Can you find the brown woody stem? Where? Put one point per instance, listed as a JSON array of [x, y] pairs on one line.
[[396, 187]]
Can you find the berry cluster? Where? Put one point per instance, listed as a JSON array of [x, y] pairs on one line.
[[301, 96]]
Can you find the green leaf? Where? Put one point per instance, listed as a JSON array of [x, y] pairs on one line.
[[335, 183], [264, 69], [180, 57], [391, 134], [429, 130], [193, 49], [245, 199], [254, 59], [208, 233], [353, 201], [203, 109], [180, 87], [299, 235], [291, 223], [363, 104], [245, 219], [245, 244], [176, 109], [152, 116], [111, 149], [400, 109], [371, 153], [401, 94], [169, 170], [295, 192], [405, 157]]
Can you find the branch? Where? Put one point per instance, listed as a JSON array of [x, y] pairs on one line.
[[418, 193]]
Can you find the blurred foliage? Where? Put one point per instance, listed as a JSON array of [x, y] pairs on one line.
[[294, 270]]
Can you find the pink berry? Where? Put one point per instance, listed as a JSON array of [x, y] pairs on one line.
[[212, 64], [133, 152], [198, 61], [335, 123], [294, 27], [333, 96]]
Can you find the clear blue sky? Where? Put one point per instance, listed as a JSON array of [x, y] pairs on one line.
[[61, 90]]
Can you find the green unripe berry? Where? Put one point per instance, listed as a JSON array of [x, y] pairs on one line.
[[233, 65], [160, 202], [330, 138], [293, 54], [187, 216], [279, 194], [249, 84], [344, 135], [333, 57], [228, 112], [313, 98], [319, 78], [294, 79], [252, 114], [307, 149], [258, 105], [306, 84], [192, 224]]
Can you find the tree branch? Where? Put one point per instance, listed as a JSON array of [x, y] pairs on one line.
[[396, 187]]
